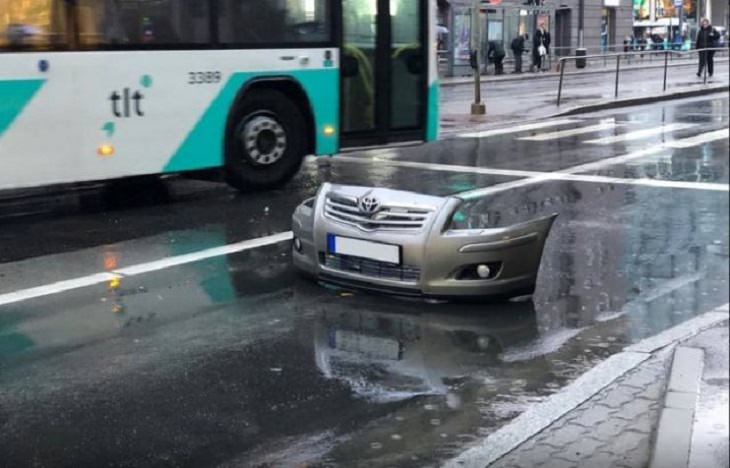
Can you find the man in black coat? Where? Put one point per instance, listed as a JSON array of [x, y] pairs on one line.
[[707, 37], [518, 48], [495, 54], [540, 47]]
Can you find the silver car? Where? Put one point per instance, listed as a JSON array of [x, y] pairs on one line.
[[407, 243]]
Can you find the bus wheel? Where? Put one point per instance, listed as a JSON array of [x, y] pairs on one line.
[[266, 141]]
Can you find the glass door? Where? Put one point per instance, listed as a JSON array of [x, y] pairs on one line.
[[384, 71]]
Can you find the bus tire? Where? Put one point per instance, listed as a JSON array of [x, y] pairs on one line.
[[266, 141]]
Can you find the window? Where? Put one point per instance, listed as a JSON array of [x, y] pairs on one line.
[[32, 24], [142, 22], [273, 21]]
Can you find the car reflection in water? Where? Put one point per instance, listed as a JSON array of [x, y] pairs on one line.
[[396, 354]]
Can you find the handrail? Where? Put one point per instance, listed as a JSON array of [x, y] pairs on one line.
[[619, 55]]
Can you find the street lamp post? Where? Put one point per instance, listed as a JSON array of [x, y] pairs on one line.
[[477, 107]]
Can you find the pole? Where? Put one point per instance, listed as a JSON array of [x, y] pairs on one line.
[[618, 63], [666, 59], [581, 14], [477, 107], [560, 85]]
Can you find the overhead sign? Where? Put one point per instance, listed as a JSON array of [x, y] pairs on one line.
[[611, 3]]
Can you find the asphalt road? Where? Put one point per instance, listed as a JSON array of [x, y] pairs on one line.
[[237, 361]]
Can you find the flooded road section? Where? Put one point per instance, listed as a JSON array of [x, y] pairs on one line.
[[236, 360]]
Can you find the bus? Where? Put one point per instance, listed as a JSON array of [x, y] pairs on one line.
[[103, 89]]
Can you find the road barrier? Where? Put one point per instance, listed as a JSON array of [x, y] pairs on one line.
[[619, 55]]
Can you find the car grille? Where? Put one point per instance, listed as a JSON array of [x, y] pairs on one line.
[[388, 217], [371, 268]]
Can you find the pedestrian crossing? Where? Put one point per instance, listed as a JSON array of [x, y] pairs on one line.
[[572, 132], [640, 134], [586, 171], [580, 127]]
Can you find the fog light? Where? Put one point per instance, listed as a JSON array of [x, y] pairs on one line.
[[483, 271], [297, 244], [328, 130]]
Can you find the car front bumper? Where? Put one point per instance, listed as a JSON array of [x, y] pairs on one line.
[[435, 260]]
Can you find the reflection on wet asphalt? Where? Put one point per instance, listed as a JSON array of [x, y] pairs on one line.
[[237, 361]]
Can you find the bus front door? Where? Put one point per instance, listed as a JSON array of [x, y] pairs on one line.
[[384, 71]]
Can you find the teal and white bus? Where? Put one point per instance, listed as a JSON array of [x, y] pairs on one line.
[[103, 89]]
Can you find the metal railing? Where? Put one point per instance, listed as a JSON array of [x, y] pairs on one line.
[[619, 55]]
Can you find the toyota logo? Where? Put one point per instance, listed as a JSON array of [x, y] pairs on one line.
[[368, 205]]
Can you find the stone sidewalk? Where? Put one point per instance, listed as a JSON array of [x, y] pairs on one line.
[[608, 417], [617, 426], [612, 429]]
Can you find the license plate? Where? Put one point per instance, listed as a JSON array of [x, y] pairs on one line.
[[388, 253]]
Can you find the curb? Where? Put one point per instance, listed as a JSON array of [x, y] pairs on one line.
[[674, 433], [577, 110], [536, 76], [640, 100], [539, 417]]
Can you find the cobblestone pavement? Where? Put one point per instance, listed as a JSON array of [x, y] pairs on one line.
[[614, 428]]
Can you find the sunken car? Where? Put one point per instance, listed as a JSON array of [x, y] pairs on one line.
[[406, 243]]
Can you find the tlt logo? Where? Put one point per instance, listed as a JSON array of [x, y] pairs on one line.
[[122, 103]]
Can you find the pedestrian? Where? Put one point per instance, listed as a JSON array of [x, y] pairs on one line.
[[518, 48], [707, 37], [495, 54], [540, 47]]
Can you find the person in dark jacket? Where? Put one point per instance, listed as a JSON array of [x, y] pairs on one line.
[[518, 48], [495, 54], [707, 37], [540, 47]]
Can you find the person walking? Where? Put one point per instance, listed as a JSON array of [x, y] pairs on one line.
[[540, 47], [707, 37]]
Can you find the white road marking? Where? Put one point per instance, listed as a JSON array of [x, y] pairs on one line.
[[639, 134], [534, 177], [518, 128], [98, 278], [723, 134], [55, 288], [571, 132]]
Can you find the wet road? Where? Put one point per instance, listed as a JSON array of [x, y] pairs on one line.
[[237, 361]]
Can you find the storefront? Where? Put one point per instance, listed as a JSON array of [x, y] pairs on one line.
[[500, 23], [660, 21]]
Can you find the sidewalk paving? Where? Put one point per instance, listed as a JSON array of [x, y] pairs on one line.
[[609, 416], [617, 426], [519, 100], [571, 70]]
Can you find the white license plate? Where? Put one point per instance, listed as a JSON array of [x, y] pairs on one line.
[[364, 249]]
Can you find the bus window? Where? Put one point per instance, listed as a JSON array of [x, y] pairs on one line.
[[273, 21], [36, 25], [164, 22]]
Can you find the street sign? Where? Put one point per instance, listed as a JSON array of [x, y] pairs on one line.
[[677, 3]]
